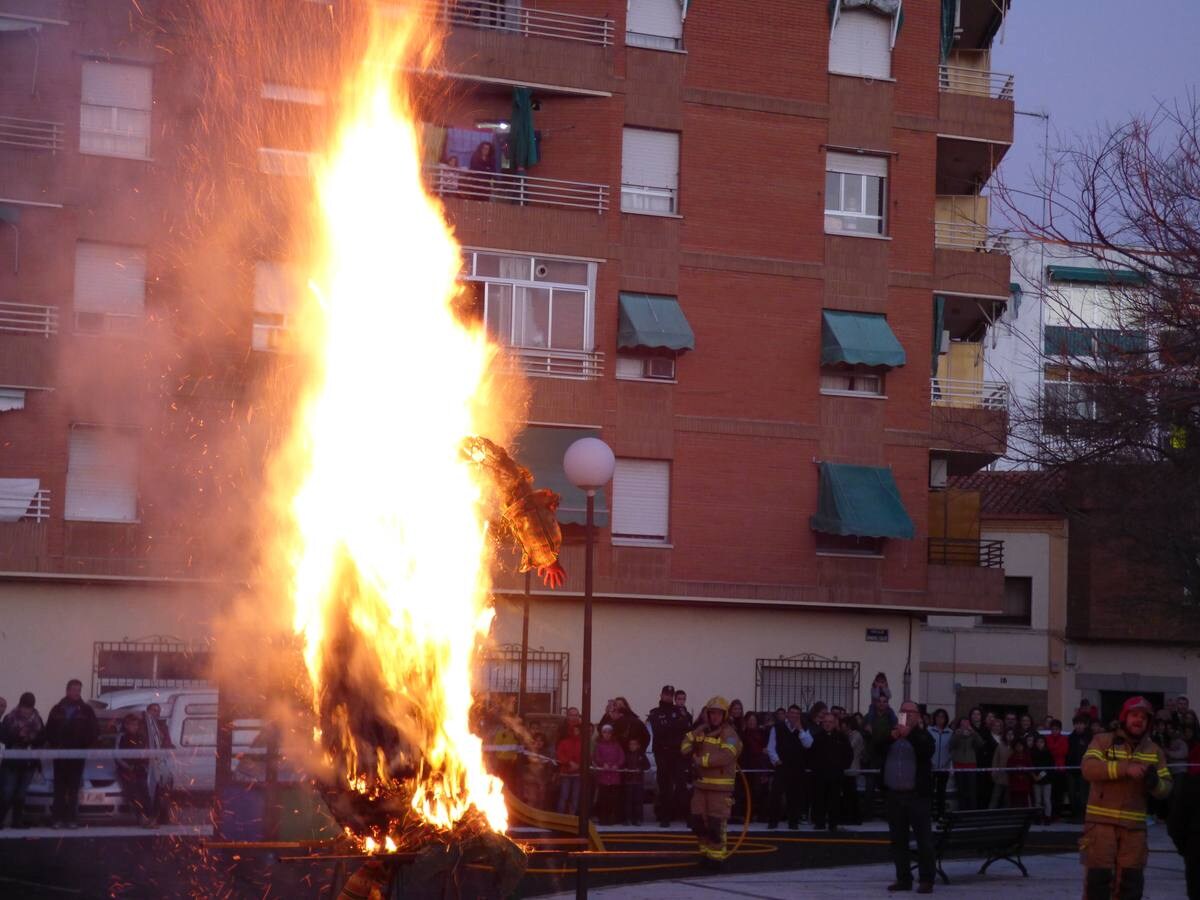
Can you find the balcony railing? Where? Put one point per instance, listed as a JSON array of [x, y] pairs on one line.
[[977, 82], [25, 318], [970, 394], [961, 552], [577, 364], [32, 134], [962, 235], [523, 190], [25, 508], [499, 15]]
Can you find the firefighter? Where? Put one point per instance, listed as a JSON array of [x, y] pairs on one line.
[[1122, 768], [713, 749]]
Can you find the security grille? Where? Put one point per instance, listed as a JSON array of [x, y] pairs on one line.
[[545, 677], [804, 680], [153, 662]]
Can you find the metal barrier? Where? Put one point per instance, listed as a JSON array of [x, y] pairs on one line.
[[499, 15], [35, 509], [578, 364], [976, 82], [28, 318], [523, 190], [963, 235], [970, 394], [31, 134], [960, 552]]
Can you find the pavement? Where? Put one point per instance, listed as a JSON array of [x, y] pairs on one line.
[[1057, 876]]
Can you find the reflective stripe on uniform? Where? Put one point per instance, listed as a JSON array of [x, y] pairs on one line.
[[1123, 814], [705, 780], [1112, 771]]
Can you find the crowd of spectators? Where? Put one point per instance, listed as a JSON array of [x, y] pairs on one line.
[[818, 765]]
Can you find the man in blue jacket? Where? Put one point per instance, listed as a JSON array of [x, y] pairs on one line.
[[908, 780]]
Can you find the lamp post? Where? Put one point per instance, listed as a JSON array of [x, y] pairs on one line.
[[588, 464]]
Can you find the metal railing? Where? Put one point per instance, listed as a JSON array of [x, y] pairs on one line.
[[976, 82], [964, 552], [32, 134], [968, 236], [967, 393], [26, 318], [649, 199], [29, 509], [579, 364], [523, 190], [498, 15]]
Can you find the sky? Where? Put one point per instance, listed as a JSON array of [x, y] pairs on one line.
[[1090, 63]]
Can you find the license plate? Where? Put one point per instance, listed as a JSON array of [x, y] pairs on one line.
[[94, 798]]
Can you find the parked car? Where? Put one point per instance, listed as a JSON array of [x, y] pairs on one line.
[[100, 798]]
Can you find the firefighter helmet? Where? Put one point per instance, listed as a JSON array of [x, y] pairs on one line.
[[718, 703], [1136, 703]]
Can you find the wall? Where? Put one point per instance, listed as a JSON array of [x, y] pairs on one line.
[[1171, 670], [637, 648]]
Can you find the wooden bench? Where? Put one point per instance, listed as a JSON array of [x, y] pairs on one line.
[[997, 834]]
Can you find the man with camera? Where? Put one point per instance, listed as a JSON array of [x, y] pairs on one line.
[[908, 780]]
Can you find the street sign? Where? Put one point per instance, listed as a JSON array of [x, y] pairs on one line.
[[877, 634]]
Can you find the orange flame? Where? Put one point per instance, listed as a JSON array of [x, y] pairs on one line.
[[389, 558]]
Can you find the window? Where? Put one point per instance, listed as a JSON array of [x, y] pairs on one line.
[[655, 24], [114, 118], [545, 677], [102, 474], [110, 287], [860, 42], [11, 399], [649, 171], [152, 663], [276, 296], [294, 163], [641, 499], [638, 367], [290, 93], [851, 381], [1068, 398], [805, 679], [1063, 340], [199, 733], [855, 193], [540, 307], [1018, 603]]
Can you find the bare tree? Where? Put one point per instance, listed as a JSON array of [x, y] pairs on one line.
[[1119, 409]]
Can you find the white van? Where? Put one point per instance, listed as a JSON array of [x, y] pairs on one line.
[[191, 717]]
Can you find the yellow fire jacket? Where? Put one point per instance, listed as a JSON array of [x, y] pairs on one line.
[[1116, 798], [715, 755]]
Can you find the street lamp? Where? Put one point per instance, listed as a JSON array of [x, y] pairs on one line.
[[588, 464]]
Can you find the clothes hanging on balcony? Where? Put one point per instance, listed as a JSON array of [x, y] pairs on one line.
[[523, 143], [939, 318]]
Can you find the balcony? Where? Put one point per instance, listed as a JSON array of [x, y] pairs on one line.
[[959, 79], [968, 394], [967, 584], [31, 134], [23, 504], [27, 318], [963, 552], [521, 190], [963, 235], [498, 15], [579, 365]]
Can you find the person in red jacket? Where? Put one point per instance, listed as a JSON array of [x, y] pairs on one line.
[[568, 753]]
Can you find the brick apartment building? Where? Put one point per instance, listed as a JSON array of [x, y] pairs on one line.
[[753, 257]]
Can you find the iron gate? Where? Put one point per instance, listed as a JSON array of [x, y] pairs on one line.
[[805, 679], [545, 676]]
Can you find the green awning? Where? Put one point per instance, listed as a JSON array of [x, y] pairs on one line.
[[653, 322], [540, 449], [860, 501], [858, 339], [1088, 275]]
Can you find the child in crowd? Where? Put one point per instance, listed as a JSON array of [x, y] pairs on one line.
[[536, 772], [1020, 784], [1043, 783], [635, 791], [879, 687], [609, 760]]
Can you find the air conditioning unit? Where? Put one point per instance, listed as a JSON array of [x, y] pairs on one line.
[[660, 367], [939, 472]]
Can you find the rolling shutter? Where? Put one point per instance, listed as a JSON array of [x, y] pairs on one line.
[[102, 474], [641, 499], [861, 44], [654, 23], [115, 110], [856, 164], [650, 158], [110, 279]]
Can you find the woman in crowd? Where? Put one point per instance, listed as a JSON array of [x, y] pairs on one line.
[[132, 773], [1020, 784], [1000, 760], [941, 733], [964, 744], [1043, 795], [21, 729]]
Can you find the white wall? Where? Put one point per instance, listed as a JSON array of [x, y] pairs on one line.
[[1131, 667], [639, 647], [48, 630]]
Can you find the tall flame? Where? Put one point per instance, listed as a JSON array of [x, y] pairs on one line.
[[389, 555]]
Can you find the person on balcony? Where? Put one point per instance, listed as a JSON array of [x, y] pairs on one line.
[[483, 167]]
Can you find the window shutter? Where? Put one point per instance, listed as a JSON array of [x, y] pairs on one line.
[[102, 474], [656, 18], [641, 498], [276, 287], [861, 44], [650, 158], [856, 164], [110, 278], [114, 84]]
